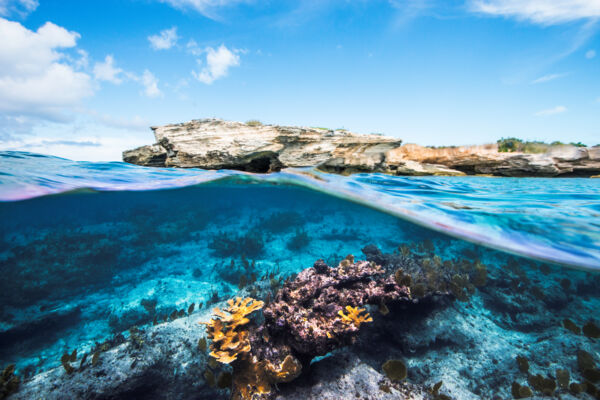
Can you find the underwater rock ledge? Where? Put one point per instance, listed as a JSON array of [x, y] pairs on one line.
[[254, 147]]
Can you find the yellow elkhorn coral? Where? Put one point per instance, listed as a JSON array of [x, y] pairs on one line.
[[229, 343], [354, 317]]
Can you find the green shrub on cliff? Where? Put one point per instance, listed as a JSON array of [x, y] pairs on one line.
[[509, 145], [512, 144]]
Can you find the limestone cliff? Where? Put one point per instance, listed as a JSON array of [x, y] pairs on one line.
[[218, 144], [563, 160]]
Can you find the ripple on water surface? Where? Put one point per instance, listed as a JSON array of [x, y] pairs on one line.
[[550, 219]]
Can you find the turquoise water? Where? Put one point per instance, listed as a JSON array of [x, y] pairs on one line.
[[85, 247]]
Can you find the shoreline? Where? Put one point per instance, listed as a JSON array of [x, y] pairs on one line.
[[215, 144]]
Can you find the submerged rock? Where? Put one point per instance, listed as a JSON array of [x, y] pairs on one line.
[[218, 144], [164, 363], [344, 376]]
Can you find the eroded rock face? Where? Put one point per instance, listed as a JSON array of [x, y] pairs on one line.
[[563, 160], [218, 144]]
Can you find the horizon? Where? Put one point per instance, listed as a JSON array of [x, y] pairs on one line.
[[86, 80]]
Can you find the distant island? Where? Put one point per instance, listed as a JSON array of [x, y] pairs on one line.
[[256, 147]]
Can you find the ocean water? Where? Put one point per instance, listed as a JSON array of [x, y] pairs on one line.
[[89, 250]]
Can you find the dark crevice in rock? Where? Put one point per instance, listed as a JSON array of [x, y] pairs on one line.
[[35, 334]]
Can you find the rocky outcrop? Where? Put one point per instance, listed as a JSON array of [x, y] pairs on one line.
[[563, 160], [218, 144]]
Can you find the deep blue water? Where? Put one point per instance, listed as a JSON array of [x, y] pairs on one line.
[[82, 245]]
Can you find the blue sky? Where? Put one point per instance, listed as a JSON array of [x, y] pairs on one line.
[[85, 79]]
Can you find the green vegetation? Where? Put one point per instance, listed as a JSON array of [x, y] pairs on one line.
[[254, 122], [512, 144]]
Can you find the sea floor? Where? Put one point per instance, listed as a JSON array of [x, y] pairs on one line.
[[81, 270]]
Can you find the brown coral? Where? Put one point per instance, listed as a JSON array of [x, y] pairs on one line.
[[9, 382], [253, 379], [287, 371]]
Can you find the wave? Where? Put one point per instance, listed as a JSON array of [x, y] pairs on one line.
[[550, 219]]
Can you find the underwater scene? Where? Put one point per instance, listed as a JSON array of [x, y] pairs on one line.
[[127, 282]]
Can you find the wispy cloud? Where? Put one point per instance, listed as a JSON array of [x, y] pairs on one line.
[[590, 54], [166, 39], [218, 62], [208, 8], [545, 12], [407, 10], [551, 111], [193, 48], [78, 143], [547, 78], [19, 7], [134, 123], [107, 71], [150, 83]]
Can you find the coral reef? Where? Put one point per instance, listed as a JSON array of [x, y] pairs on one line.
[[229, 341], [239, 274], [229, 244], [319, 310], [426, 274], [298, 241], [229, 332], [281, 221], [305, 313]]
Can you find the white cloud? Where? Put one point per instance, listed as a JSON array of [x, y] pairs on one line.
[[21, 7], [35, 76], [408, 10], [193, 48], [135, 123], [83, 61], [150, 84], [551, 111], [207, 8], [590, 54], [545, 12], [548, 78], [164, 40], [218, 63], [106, 71]]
